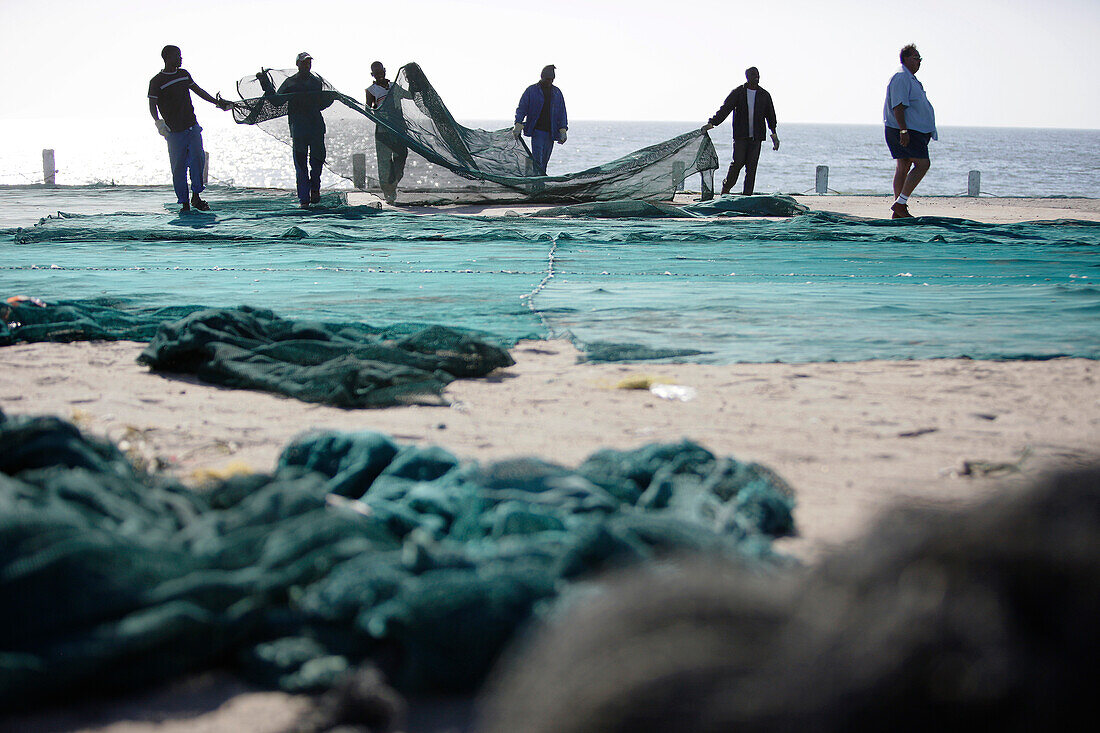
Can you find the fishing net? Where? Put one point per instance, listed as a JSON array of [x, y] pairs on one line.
[[341, 364], [448, 162], [355, 549], [720, 289]]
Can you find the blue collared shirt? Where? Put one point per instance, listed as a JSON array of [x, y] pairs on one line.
[[905, 88]]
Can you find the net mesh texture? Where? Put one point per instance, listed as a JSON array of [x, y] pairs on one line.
[[450, 163], [355, 550]]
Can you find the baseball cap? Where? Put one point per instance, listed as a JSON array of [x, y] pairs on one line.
[[303, 56]]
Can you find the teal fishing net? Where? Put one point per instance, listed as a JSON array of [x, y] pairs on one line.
[[341, 364], [449, 162], [809, 287], [355, 549]]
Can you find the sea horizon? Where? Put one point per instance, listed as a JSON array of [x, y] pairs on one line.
[[1012, 161]]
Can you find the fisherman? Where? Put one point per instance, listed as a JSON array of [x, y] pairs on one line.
[[541, 111], [391, 151], [752, 107], [170, 95], [302, 95], [910, 125]]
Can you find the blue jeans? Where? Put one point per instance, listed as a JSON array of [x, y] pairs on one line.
[[311, 149], [542, 144], [185, 153]]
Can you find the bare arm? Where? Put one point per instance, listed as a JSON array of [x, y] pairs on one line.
[[153, 109], [899, 116], [202, 93]]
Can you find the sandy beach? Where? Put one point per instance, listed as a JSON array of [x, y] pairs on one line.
[[851, 438]]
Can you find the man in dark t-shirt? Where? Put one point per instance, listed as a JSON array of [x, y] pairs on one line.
[[171, 108], [305, 96]]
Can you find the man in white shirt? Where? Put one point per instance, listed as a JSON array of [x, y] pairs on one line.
[[391, 151]]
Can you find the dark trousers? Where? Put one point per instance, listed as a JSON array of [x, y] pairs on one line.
[[542, 144], [392, 154], [746, 153], [312, 150]]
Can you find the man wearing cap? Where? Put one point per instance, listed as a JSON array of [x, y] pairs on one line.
[[752, 109], [910, 124], [170, 95], [541, 116], [391, 151], [302, 95]]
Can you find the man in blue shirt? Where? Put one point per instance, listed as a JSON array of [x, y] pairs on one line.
[[541, 116], [910, 124], [171, 108]]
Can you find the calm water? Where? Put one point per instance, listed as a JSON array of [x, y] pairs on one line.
[[1013, 162]]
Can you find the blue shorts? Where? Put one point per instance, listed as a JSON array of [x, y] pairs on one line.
[[916, 149]]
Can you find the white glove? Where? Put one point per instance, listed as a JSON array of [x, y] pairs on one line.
[[775, 141], [517, 130], [562, 136], [706, 127], [162, 127]]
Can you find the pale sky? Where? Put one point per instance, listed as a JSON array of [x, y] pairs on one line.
[[986, 62]]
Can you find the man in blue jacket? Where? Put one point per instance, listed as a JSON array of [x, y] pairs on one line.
[[541, 116]]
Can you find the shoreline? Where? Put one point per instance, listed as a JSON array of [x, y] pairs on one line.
[[25, 205]]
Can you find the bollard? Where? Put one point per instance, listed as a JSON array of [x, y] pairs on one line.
[[49, 169], [974, 183], [678, 174], [359, 170], [205, 168], [822, 185]]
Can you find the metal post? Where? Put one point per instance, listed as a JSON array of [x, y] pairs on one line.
[[822, 185], [678, 175], [359, 170], [49, 168], [205, 168], [974, 183]]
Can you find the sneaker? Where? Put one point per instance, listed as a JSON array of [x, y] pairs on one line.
[[315, 195], [303, 205], [199, 203], [900, 211], [185, 208]]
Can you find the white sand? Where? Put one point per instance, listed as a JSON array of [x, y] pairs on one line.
[[850, 437], [985, 209]]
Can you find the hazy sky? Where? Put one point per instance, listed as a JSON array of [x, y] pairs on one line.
[[986, 62]]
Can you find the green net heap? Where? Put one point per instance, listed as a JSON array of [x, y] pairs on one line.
[[356, 550], [450, 163], [349, 365]]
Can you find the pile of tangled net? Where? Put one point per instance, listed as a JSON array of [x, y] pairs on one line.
[[452, 163], [341, 364], [355, 551]]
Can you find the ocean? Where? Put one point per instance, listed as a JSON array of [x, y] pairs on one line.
[[1012, 162]]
